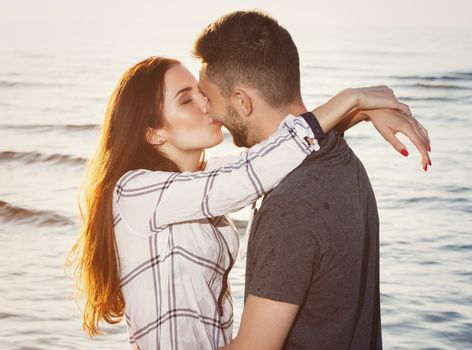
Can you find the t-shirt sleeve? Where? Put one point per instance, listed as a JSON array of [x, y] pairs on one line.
[[283, 251]]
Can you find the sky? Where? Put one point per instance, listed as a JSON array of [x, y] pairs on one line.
[[360, 12], [54, 23]]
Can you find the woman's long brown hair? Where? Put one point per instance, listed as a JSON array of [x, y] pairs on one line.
[[136, 104]]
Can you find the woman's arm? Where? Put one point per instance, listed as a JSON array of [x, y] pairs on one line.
[[147, 201], [379, 105], [335, 110], [388, 123]]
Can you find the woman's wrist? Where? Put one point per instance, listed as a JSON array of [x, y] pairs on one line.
[[333, 112], [353, 97]]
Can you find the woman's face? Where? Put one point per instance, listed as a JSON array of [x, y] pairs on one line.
[[189, 127]]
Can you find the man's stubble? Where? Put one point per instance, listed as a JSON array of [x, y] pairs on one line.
[[233, 122]]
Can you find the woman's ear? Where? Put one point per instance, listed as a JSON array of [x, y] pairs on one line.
[[243, 102], [154, 136]]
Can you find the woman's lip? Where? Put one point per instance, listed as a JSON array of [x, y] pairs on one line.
[[215, 122]]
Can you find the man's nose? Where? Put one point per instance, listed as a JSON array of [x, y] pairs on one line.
[[203, 101]]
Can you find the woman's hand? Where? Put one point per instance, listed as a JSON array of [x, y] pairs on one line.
[[380, 105], [377, 97], [347, 102], [389, 122]]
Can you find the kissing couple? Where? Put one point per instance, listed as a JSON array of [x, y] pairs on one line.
[[156, 244]]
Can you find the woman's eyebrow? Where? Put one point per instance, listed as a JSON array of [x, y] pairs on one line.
[[185, 89]]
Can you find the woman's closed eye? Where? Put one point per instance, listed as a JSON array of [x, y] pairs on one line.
[[186, 100]]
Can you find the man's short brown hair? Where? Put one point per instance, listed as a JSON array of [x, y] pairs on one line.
[[251, 48]]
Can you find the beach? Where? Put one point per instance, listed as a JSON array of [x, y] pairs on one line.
[[52, 102]]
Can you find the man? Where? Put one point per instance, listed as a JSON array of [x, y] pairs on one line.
[[312, 276]]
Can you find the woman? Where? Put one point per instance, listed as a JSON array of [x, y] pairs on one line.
[[155, 245]]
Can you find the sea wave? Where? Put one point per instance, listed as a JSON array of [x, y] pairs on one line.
[[4, 315], [436, 86], [53, 127], [10, 212], [331, 68], [452, 76], [430, 99], [15, 84], [35, 157]]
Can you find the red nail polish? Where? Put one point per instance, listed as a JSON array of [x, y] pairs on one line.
[[429, 162], [404, 152], [425, 168], [429, 148]]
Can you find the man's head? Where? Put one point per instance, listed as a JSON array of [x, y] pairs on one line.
[[250, 66]]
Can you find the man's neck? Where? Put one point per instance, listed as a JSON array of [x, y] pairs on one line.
[[274, 117]]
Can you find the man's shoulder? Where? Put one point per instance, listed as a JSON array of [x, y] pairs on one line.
[[292, 199], [300, 184], [320, 175]]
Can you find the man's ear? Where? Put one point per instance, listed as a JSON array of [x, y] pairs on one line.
[[154, 137], [242, 101]]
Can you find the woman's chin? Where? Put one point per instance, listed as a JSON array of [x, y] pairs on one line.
[[218, 141]]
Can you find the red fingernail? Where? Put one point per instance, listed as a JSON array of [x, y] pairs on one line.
[[429, 162], [429, 148], [425, 168], [404, 152]]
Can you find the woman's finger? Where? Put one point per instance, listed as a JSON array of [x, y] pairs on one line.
[[390, 137], [416, 140], [425, 132], [418, 129], [396, 143]]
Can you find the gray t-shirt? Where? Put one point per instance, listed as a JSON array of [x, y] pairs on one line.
[[315, 243]]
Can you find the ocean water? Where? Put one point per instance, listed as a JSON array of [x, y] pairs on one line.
[[53, 96]]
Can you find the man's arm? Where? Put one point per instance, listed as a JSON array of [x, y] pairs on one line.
[[264, 325], [287, 252]]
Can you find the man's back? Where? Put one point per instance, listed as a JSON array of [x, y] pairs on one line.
[[314, 242]]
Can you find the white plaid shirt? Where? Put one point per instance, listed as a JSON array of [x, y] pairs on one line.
[[176, 247]]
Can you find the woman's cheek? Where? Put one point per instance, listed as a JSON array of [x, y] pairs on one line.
[[191, 137], [192, 131]]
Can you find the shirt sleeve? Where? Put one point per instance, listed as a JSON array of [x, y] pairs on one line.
[[213, 163], [147, 201], [283, 251]]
